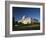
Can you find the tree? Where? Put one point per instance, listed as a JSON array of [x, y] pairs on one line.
[[13, 21], [16, 22]]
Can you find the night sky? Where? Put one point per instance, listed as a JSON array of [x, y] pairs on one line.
[[21, 11]]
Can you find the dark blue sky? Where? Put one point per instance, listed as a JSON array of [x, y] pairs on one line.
[[21, 11]]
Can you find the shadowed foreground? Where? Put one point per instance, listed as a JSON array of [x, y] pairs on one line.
[[26, 27]]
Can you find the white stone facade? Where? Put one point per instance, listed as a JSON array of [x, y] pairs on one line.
[[25, 20]]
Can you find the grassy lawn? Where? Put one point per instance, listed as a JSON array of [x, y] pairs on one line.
[[20, 26]]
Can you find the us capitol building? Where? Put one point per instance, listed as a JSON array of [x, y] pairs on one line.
[[27, 20]]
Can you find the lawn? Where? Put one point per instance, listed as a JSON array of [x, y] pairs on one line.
[[20, 26]]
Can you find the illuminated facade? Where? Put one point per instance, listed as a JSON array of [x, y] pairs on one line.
[[25, 20]]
